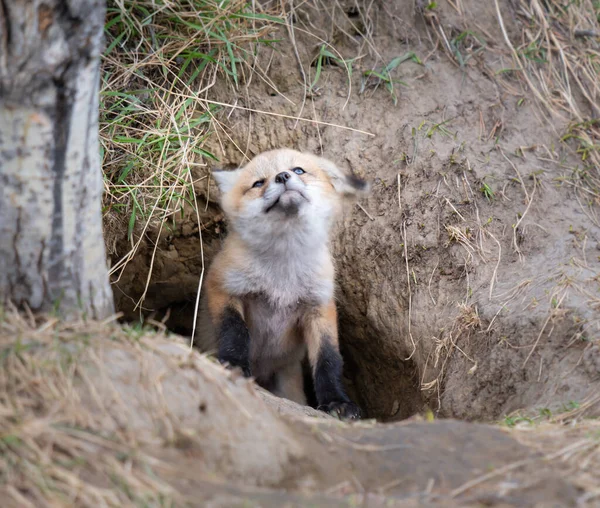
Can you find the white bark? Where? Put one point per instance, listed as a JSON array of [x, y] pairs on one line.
[[51, 248]]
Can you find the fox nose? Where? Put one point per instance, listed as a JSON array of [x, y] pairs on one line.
[[282, 177]]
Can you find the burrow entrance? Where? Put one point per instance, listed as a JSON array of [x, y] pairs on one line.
[[383, 387]]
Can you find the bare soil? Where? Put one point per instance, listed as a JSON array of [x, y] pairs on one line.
[[468, 279]]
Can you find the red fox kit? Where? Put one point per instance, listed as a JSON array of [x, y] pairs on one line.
[[269, 295]]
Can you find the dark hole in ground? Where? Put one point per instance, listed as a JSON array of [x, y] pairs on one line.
[[384, 388]]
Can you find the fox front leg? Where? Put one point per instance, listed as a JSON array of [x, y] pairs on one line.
[[227, 319], [320, 329], [234, 340]]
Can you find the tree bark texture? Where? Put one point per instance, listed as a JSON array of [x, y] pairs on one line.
[[52, 252]]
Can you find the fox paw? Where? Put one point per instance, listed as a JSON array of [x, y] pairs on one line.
[[245, 368], [341, 410]]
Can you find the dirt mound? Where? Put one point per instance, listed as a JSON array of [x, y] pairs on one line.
[[93, 415], [468, 279]]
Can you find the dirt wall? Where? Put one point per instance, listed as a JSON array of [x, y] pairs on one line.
[[468, 278]]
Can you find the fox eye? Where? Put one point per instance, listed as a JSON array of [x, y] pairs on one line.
[[298, 171], [258, 183]]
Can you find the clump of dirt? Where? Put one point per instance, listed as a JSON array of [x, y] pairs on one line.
[[93, 414], [468, 278]]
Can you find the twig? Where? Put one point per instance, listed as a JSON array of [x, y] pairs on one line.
[[517, 172], [430, 279], [290, 29], [409, 292], [509, 467], [366, 213], [399, 194], [291, 117], [455, 210], [541, 332], [516, 226], [470, 484], [495, 274]]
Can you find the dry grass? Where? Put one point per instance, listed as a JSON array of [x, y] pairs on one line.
[[451, 340], [558, 59], [162, 59], [554, 52], [575, 448], [554, 49], [94, 414], [55, 451], [61, 444], [571, 440]]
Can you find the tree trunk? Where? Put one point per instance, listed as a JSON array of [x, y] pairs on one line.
[[52, 253]]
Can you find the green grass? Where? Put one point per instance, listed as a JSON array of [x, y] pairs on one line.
[[487, 191], [384, 75], [154, 123], [326, 57], [544, 414], [512, 421], [586, 137], [437, 127], [465, 46]]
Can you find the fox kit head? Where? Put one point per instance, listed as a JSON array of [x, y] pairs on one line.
[[285, 193]]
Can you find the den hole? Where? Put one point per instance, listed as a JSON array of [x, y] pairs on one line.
[[384, 388]]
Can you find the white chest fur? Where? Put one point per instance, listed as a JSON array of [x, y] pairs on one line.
[[285, 280], [276, 289]]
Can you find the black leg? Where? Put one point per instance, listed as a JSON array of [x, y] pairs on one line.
[[234, 341], [329, 389], [309, 384]]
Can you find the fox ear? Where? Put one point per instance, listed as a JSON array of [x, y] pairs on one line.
[[226, 180], [344, 183]]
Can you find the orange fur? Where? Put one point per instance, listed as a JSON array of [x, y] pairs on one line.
[[320, 323]]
